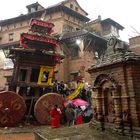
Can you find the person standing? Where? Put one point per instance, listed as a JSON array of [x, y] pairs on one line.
[[55, 114], [70, 115]]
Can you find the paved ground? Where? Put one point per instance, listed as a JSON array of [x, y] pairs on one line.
[[80, 132], [27, 136], [17, 133]]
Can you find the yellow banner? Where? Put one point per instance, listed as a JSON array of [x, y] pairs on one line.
[[46, 76], [76, 92]]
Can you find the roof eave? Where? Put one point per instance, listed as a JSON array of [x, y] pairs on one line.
[[120, 27], [49, 10]]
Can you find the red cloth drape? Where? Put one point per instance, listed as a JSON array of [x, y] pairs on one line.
[[55, 118]]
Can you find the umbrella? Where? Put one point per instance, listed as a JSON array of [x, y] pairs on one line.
[[79, 102]]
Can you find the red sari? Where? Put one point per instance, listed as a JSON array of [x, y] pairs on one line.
[[55, 118]]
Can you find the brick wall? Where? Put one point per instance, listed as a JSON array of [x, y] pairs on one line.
[[128, 77], [134, 40], [134, 43]]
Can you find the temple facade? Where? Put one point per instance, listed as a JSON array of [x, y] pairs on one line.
[[67, 16]]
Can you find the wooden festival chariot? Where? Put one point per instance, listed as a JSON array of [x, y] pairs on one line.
[[29, 92]]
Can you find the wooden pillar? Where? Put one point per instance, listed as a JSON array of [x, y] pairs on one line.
[[16, 68], [12, 85]]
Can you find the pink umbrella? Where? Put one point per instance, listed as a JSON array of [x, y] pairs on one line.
[[79, 102]]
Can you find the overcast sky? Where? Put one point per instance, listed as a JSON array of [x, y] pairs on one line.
[[125, 12]]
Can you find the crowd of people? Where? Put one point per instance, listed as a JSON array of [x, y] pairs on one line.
[[66, 89], [71, 114]]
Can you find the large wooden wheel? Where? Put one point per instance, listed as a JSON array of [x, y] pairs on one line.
[[12, 108], [44, 104]]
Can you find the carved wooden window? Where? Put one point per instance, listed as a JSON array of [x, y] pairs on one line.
[[50, 16], [74, 52], [67, 28], [74, 76], [76, 8], [33, 9], [71, 6], [14, 25], [11, 36], [34, 75], [22, 75]]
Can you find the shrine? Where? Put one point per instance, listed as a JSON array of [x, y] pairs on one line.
[[116, 87]]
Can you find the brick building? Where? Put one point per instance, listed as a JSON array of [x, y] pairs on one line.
[[67, 16], [134, 43], [81, 55], [105, 28]]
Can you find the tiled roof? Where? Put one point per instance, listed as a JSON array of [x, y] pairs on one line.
[[73, 34], [109, 20], [57, 7], [79, 33]]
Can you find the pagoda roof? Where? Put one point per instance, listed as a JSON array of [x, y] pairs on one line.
[[38, 42], [88, 37], [34, 51], [114, 23], [49, 10], [80, 33], [74, 34], [34, 55]]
